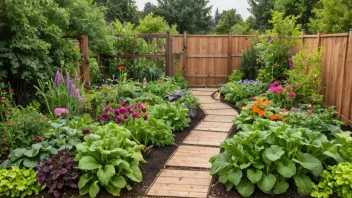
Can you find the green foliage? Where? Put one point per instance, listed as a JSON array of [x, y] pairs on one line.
[[157, 25], [236, 75], [28, 157], [151, 132], [148, 8], [249, 64], [337, 179], [243, 28], [192, 16], [261, 10], [228, 18], [18, 182], [332, 16], [109, 159], [94, 71], [267, 154], [21, 127], [275, 46], [122, 10], [174, 114]]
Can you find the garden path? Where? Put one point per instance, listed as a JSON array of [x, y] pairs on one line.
[[186, 173]]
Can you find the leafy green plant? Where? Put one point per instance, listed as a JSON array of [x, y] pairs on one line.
[[17, 182], [337, 179], [268, 153], [28, 158], [174, 114], [109, 159], [249, 64], [236, 75]]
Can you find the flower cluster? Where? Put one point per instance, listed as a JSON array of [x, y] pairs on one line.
[[248, 82], [71, 85], [275, 87], [124, 113], [60, 111], [259, 107]]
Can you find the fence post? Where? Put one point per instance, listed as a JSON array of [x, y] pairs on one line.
[[302, 36], [345, 113], [169, 58], [319, 40], [184, 54], [84, 68], [229, 67]]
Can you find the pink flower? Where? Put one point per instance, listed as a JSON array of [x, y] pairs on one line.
[[123, 110], [59, 111], [144, 109], [289, 87], [123, 104], [38, 138], [135, 115], [310, 112], [276, 83], [292, 94], [145, 117], [107, 109], [118, 119], [283, 110], [277, 90], [294, 109], [125, 116], [117, 111], [304, 105]]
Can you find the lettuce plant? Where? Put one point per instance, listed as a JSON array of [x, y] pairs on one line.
[[174, 114], [57, 172], [268, 153], [337, 179], [109, 159], [17, 182]]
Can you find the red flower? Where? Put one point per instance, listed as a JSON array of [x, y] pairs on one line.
[[122, 68], [11, 90], [6, 148], [4, 139]]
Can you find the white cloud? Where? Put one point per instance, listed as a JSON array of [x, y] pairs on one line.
[[240, 5]]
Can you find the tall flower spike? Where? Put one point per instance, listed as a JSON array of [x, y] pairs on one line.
[[58, 79]]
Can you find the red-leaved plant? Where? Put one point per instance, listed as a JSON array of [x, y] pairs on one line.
[[58, 172]]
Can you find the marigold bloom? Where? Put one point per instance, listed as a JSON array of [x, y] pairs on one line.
[[274, 117]]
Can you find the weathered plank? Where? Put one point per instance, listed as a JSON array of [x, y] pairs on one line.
[[219, 118], [205, 138], [211, 126]]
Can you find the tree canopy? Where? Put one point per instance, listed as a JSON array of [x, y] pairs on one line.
[[122, 10], [260, 9], [192, 16], [228, 18]]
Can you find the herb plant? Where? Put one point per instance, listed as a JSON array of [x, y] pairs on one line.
[[16, 182], [109, 159], [57, 172]]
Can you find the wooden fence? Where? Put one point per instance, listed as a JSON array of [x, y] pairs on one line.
[[206, 60]]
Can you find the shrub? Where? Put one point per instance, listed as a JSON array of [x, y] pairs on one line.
[[249, 64], [236, 75], [109, 159], [17, 182], [57, 172]]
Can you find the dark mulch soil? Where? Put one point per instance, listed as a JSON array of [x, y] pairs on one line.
[[156, 159]]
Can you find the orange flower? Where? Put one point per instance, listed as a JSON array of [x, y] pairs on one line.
[[274, 117], [255, 109], [4, 139]]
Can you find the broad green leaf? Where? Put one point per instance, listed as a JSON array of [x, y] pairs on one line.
[[304, 184], [254, 175], [218, 162], [245, 165], [258, 165], [88, 163], [83, 180], [17, 153], [105, 175], [228, 186], [273, 153], [280, 187], [223, 179], [94, 189], [113, 190], [267, 182], [118, 181], [235, 176], [245, 188], [286, 168], [30, 162], [309, 162]]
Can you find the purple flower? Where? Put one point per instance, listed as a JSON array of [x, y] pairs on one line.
[[80, 98], [60, 111], [135, 115], [107, 109], [123, 110], [38, 138], [75, 79], [116, 111], [123, 104], [58, 78], [310, 112], [86, 131], [292, 94], [118, 119], [294, 109], [144, 109], [105, 116], [125, 116], [145, 117], [268, 40], [283, 110], [129, 109]]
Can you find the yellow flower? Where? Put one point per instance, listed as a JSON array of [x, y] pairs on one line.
[[243, 108]]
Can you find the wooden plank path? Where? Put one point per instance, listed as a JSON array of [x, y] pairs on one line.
[[199, 146]]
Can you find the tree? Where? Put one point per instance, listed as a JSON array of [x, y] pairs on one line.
[[122, 10], [260, 10], [148, 8], [302, 8], [243, 28], [189, 15], [217, 16], [156, 25], [228, 18], [333, 16]]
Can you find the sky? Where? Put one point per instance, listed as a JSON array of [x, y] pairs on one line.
[[240, 5]]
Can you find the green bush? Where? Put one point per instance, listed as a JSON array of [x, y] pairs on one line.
[[249, 64], [109, 159], [236, 75], [17, 182]]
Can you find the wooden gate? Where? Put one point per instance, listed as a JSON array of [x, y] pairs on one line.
[[207, 60]]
